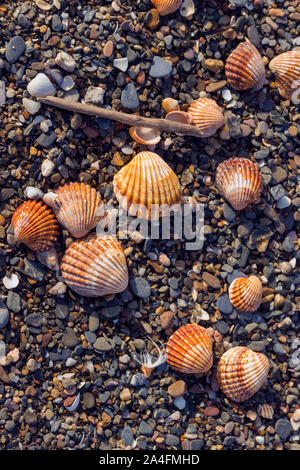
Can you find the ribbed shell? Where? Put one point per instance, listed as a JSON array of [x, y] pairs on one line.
[[165, 7], [286, 68], [239, 181], [266, 411], [94, 267], [189, 350], [246, 293], [76, 208], [206, 115], [35, 225], [145, 181], [245, 69], [241, 372]]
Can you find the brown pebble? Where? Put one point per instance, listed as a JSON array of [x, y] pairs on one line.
[[211, 411], [211, 280], [46, 339], [167, 319], [108, 49], [153, 19], [91, 132], [177, 389]]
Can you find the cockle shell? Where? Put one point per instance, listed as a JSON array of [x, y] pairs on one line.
[[239, 181], [78, 208], [266, 411], [241, 372], [95, 266], [179, 116], [286, 68], [245, 293], [189, 349], [35, 225], [206, 115], [147, 187], [245, 69], [145, 135], [165, 7]]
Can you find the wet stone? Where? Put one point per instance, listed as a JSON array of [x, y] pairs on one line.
[[129, 97]]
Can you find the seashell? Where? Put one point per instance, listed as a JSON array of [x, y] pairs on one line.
[[77, 208], [169, 104], [189, 350], [239, 181], [245, 293], [40, 86], [147, 187], [206, 115], [35, 225], [11, 281], [75, 403], [245, 69], [145, 135], [187, 9], [241, 372], [95, 266], [266, 411], [165, 7], [179, 116], [286, 68]]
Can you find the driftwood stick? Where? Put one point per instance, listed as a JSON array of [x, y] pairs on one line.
[[125, 118]]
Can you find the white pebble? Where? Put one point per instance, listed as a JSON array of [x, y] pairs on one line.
[[260, 440], [47, 167], [58, 289], [180, 403], [65, 61], [121, 64], [11, 281], [70, 362], [94, 95], [40, 86], [45, 125], [67, 83], [31, 192], [283, 202], [31, 106], [226, 94]]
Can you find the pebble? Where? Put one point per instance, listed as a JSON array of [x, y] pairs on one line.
[[224, 305], [283, 428], [14, 49], [140, 287], [160, 67], [121, 64], [177, 389], [4, 315], [129, 97], [31, 192], [31, 106]]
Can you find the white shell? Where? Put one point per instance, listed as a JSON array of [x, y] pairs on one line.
[[40, 86]]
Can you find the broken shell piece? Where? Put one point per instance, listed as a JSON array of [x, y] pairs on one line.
[[145, 135], [179, 116], [169, 104], [40, 86], [74, 404], [266, 411], [187, 9], [11, 281]]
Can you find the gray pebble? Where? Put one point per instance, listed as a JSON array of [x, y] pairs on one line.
[[14, 49]]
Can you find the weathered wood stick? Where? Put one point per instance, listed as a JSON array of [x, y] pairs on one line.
[[125, 118]]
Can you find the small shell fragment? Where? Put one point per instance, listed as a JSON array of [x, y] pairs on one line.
[[145, 135], [266, 411]]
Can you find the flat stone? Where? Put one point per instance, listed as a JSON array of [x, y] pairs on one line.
[[14, 49], [140, 287], [177, 389], [127, 436], [69, 339], [211, 280], [145, 429], [160, 67], [129, 97], [224, 305], [33, 270], [121, 64], [102, 345], [13, 302], [283, 428]]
